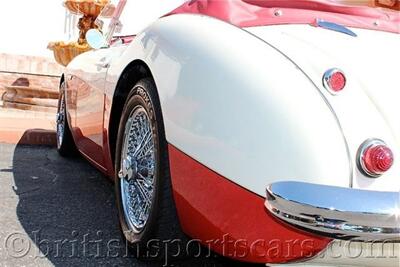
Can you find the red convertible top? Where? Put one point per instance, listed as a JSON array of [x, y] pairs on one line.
[[248, 13]]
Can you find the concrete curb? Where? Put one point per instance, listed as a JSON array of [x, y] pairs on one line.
[[29, 137], [27, 127]]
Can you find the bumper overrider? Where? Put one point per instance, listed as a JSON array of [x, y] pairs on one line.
[[336, 212]]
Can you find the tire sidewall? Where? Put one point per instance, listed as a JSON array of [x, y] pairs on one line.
[[139, 96]]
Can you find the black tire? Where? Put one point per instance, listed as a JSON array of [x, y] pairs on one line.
[[163, 224], [65, 142]]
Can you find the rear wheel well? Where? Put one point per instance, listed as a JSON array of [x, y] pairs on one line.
[[133, 73]]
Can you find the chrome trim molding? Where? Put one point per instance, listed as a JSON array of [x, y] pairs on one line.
[[340, 213], [335, 27]]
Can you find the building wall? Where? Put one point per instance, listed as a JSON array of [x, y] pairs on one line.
[[27, 27], [40, 72]]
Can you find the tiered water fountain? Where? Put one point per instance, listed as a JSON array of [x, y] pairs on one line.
[[64, 52], [21, 94]]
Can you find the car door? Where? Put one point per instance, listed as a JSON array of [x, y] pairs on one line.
[[85, 102]]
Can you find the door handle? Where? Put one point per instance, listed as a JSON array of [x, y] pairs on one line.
[[104, 63]]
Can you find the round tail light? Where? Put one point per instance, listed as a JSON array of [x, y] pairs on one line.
[[334, 80], [375, 158]]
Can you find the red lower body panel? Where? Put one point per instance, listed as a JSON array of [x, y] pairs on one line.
[[231, 220]]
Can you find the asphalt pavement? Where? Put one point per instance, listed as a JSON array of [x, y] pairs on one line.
[[61, 212]]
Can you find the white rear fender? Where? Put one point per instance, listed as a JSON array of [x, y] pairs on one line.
[[238, 106], [368, 107]]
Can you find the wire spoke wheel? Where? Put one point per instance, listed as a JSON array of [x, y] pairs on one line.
[[60, 121], [137, 169], [143, 188], [65, 142]]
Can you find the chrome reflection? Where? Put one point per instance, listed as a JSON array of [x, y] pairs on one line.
[[335, 27], [60, 120], [341, 213], [137, 169]]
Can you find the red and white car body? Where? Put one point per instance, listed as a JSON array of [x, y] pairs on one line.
[[263, 153]]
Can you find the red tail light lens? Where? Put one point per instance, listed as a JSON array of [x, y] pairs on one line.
[[375, 158], [334, 80]]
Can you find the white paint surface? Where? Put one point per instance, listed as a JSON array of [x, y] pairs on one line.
[[228, 103]]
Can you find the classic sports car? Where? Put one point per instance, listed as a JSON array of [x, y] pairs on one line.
[[267, 130]]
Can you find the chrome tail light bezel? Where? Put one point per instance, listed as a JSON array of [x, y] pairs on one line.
[[327, 78], [367, 144]]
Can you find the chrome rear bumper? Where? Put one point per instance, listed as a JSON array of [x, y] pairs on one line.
[[340, 213]]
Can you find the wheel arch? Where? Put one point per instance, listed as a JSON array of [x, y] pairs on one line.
[[133, 73]]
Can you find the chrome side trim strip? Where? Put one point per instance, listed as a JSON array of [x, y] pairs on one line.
[[335, 27], [340, 213]]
